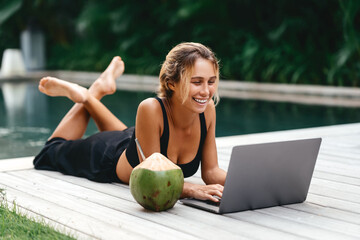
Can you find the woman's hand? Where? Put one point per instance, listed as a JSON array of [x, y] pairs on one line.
[[203, 192]]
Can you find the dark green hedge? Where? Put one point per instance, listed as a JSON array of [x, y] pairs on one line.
[[307, 41]]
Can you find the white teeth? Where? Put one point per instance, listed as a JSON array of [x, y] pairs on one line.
[[200, 101]]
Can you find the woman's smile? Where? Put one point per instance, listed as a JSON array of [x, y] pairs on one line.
[[201, 101]]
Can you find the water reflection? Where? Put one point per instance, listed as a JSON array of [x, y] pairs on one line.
[[236, 117], [14, 98], [23, 114], [27, 117]]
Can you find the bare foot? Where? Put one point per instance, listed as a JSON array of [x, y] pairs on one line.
[[55, 87], [106, 84]]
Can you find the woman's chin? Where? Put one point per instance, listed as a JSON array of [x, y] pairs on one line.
[[200, 107]]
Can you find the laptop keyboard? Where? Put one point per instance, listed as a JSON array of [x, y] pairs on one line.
[[213, 203]]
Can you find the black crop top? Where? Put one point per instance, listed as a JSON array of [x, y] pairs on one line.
[[189, 168]]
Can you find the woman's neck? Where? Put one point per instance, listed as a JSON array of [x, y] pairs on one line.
[[180, 116]]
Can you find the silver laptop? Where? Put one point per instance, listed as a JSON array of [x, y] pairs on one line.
[[265, 175]]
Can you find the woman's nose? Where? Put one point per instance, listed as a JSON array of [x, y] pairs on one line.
[[205, 90]]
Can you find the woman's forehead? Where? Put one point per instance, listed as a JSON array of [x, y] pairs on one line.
[[203, 68]]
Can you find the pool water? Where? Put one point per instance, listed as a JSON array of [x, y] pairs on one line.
[[27, 117]]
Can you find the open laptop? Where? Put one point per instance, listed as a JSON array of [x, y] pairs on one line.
[[265, 175]]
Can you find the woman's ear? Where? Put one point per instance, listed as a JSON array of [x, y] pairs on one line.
[[171, 85]]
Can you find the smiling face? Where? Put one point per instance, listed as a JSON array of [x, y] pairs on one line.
[[201, 83], [189, 65]]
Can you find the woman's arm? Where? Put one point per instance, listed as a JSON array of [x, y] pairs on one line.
[[149, 126], [210, 171], [212, 175]]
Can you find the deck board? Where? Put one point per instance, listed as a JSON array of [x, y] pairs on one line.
[[74, 222], [108, 211]]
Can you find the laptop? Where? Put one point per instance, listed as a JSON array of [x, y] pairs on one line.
[[265, 175]]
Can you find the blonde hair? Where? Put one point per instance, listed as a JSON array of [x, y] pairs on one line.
[[178, 68]]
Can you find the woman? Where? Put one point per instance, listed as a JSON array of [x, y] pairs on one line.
[[179, 123]]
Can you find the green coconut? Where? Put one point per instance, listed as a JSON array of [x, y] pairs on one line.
[[156, 183]]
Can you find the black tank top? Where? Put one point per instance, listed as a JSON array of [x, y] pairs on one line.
[[189, 168]]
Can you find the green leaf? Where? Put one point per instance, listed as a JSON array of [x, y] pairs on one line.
[[9, 8]]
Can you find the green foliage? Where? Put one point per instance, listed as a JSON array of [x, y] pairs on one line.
[[8, 9], [346, 61], [308, 41], [14, 225]]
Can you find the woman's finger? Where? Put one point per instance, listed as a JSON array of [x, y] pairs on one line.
[[213, 195], [217, 187], [214, 198]]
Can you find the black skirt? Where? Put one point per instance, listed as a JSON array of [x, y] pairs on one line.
[[94, 158]]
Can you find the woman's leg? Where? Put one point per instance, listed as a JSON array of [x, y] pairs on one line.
[[74, 124]]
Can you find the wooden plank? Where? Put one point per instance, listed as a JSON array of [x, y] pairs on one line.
[[345, 145], [332, 213], [16, 164], [322, 165], [31, 214], [84, 226], [336, 188], [287, 225], [337, 169], [95, 185], [324, 132], [345, 141], [336, 178], [323, 157], [180, 216], [323, 160], [85, 180], [336, 155], [320, 222], [334, 194], [125, 206], [117, 219], [340, 159], [339, 204], [344, 162]]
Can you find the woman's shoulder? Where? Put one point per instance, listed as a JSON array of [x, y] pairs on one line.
[[150, 108], [150, 104]]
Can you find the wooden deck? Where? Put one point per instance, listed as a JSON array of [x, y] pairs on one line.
[[107, 211]]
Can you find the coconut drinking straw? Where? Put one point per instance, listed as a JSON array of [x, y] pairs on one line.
[[140, 150]]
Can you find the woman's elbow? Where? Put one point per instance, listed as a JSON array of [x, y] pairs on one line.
[[209, 176], [214, 176]]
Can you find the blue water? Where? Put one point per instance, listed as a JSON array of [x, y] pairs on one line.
[[28, 117]]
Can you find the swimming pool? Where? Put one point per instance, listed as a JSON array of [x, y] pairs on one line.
[[27, 117]]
